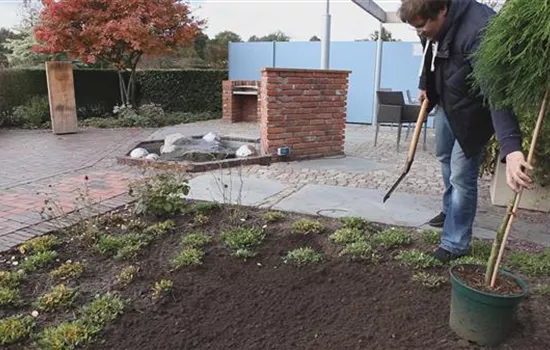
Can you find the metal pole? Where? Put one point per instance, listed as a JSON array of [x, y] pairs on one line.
[[274, 54], [377, 72], [325, 49]]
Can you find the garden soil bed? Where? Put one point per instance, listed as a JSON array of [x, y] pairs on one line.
[[265, 302]]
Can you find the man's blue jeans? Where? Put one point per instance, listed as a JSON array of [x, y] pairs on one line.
[[460, 176]]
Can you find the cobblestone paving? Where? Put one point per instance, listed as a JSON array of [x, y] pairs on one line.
[[423, 178]]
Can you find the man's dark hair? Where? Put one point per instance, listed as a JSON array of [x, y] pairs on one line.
[[427, 9]]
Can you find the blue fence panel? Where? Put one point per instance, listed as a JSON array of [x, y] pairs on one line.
[[355, 57], [359, 58], [246, 60], [400, 68], [296, 54]]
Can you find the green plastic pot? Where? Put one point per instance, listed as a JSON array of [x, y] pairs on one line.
[[481, 317]]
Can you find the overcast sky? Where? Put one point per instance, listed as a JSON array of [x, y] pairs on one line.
[[300, 19]]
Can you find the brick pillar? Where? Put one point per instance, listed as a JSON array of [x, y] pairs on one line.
[[238, 108], [304, 109], [229, 110]]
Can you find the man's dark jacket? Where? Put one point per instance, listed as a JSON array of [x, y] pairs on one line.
[[472, 122]]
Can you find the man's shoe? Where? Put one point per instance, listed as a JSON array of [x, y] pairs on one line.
[[445, 256], [437, 221]]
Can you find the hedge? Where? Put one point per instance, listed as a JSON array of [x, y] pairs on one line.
[[18, 86], [182, 91], [97, 90]]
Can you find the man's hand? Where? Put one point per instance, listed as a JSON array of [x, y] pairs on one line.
[[422, 96], [515, 175]]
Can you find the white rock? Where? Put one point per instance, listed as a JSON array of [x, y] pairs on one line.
[[169, 143], [139, 153], [210, 137], [246, 151], [152, 156], [34, 313], [167, 148], [170, 139]]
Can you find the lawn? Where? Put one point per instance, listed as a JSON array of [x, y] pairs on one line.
[[197, 275]]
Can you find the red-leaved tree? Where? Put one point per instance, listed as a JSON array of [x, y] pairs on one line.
[[119, 32]]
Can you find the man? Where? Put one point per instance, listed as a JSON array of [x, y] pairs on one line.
[[444, 141], [443, 146], [451, 29]]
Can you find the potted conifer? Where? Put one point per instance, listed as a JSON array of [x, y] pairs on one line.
[[512, 67]]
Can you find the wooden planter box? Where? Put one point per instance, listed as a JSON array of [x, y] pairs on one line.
[[537, 199], [61, 95]]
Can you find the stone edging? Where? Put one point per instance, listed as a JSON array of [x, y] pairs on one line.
[[193, 167]]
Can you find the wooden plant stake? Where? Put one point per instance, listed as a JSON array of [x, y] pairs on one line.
[[503, 232]]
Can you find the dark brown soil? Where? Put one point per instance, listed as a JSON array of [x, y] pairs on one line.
[[474, 277], [265, 303]]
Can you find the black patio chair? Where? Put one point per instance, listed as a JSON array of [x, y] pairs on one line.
[[392, 109]]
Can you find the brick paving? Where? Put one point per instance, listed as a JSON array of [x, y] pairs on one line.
[[28, 156], [36, 163]]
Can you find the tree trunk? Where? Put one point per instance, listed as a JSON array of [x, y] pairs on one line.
[[132, 83], [129, 88], [122, 86], [496, 245]]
